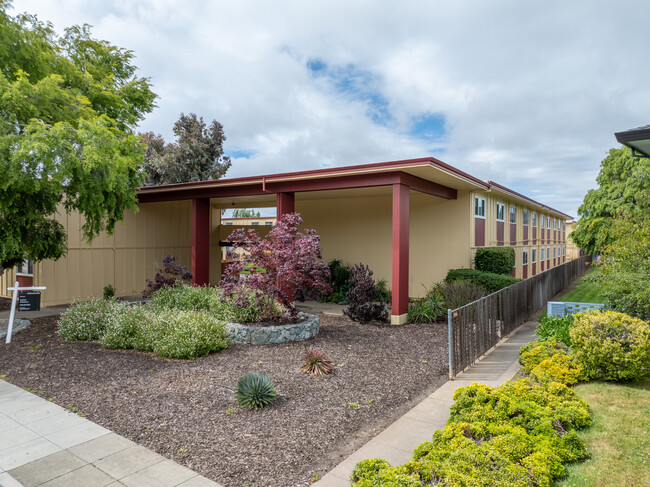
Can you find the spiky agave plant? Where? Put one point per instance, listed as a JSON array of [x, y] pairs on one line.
[[316, 363], [255, 390]]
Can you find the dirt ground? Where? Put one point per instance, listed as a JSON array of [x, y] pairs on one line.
[[186, 410]]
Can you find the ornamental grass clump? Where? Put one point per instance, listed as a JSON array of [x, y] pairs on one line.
[[316, 363], [612, 345], [255, 391]]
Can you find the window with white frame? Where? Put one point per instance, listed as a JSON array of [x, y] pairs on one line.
[[554, 253], [554, 223], [526, 217], [548, 222], [524, 259], [533, 256], [534, 219], [515, 265], [268, 223], [563, 251], [501, 212], [548, 253], [542, 254], [228, 223], [564, 226], [26, 268], [513, 214], [479, 207]]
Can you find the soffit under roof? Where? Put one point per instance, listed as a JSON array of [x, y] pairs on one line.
[[638, 139]]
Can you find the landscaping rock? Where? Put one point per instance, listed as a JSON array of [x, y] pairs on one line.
[[263, 335]]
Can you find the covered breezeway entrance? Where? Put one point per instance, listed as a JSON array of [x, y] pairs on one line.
[[377, 214]]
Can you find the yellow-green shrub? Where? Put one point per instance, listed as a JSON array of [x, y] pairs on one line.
[[611, 345], [550, 361]]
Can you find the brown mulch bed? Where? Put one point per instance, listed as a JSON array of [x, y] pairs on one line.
[[186, 410], [5, 304]]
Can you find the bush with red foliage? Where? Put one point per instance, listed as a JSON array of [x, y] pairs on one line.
[[269, 268]]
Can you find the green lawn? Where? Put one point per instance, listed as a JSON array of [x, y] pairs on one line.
[[585, 292], [619, 439]]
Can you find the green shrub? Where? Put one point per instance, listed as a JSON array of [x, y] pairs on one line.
[[191, 298], [612, 345], [109, 291], [255, 391], [379, 473], [629, 294], [85, 320], [555, 327], [385, 294], [428, 309], [123, 325], [184, 334], [459, 293], [496, 260], [492, 282]]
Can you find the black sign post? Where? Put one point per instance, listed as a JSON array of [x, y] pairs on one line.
[[29, 301]]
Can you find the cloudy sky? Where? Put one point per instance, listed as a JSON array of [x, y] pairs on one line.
[[527, 94]]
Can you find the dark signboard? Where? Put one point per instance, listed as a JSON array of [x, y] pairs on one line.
[[29, 301]]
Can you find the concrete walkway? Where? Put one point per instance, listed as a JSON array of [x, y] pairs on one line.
[[397, 442], [42, 444]]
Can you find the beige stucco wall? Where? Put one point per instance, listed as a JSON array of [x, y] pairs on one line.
[[359, 229], [125, 259]]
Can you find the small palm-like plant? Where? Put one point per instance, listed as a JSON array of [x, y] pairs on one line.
[[316, 363], [255, 391]]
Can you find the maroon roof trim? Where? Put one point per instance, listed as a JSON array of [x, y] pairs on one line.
[[260, 187], [521, 196], [267, 179]]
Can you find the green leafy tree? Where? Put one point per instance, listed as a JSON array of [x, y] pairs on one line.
[[68, 109], [625, 263], [197, 154], [245, 213], [621, 180]]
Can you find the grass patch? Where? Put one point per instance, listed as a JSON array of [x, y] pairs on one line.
[[586, 291], [618, 438]]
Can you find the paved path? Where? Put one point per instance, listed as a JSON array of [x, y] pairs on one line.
[[42, 444], [397, 442]]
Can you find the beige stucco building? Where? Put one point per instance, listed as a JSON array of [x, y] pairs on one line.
[[410, 221]]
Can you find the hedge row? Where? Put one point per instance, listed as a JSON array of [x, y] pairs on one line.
[[497, 260], [491, 282]]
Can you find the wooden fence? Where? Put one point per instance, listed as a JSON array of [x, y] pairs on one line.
[[478, 326]]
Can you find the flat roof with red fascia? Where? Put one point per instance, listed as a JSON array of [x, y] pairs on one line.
[[441, 178]]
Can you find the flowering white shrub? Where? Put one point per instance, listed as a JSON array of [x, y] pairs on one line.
[[188, 329], [85, 320], [187, 334]]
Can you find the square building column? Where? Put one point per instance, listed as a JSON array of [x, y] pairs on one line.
[[285, 203], [201, 241], [400, 277]]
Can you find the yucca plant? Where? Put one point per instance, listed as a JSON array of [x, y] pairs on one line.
[[316, 363], [255, 390]]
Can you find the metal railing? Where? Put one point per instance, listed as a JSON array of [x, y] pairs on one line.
[[478, 326]]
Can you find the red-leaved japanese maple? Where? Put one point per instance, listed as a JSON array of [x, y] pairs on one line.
[[270, 268]]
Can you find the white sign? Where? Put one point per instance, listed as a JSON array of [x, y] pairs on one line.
[[15, 289]]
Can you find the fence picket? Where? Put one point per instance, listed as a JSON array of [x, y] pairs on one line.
[[477, 327]]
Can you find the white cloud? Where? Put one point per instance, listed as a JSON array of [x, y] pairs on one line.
[[531, 94]]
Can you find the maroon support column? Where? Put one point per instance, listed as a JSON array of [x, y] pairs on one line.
[[201, 241], [400, 283], [285, 203]]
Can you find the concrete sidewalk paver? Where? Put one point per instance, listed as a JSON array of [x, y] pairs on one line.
[[44, 445], [397, 442]]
